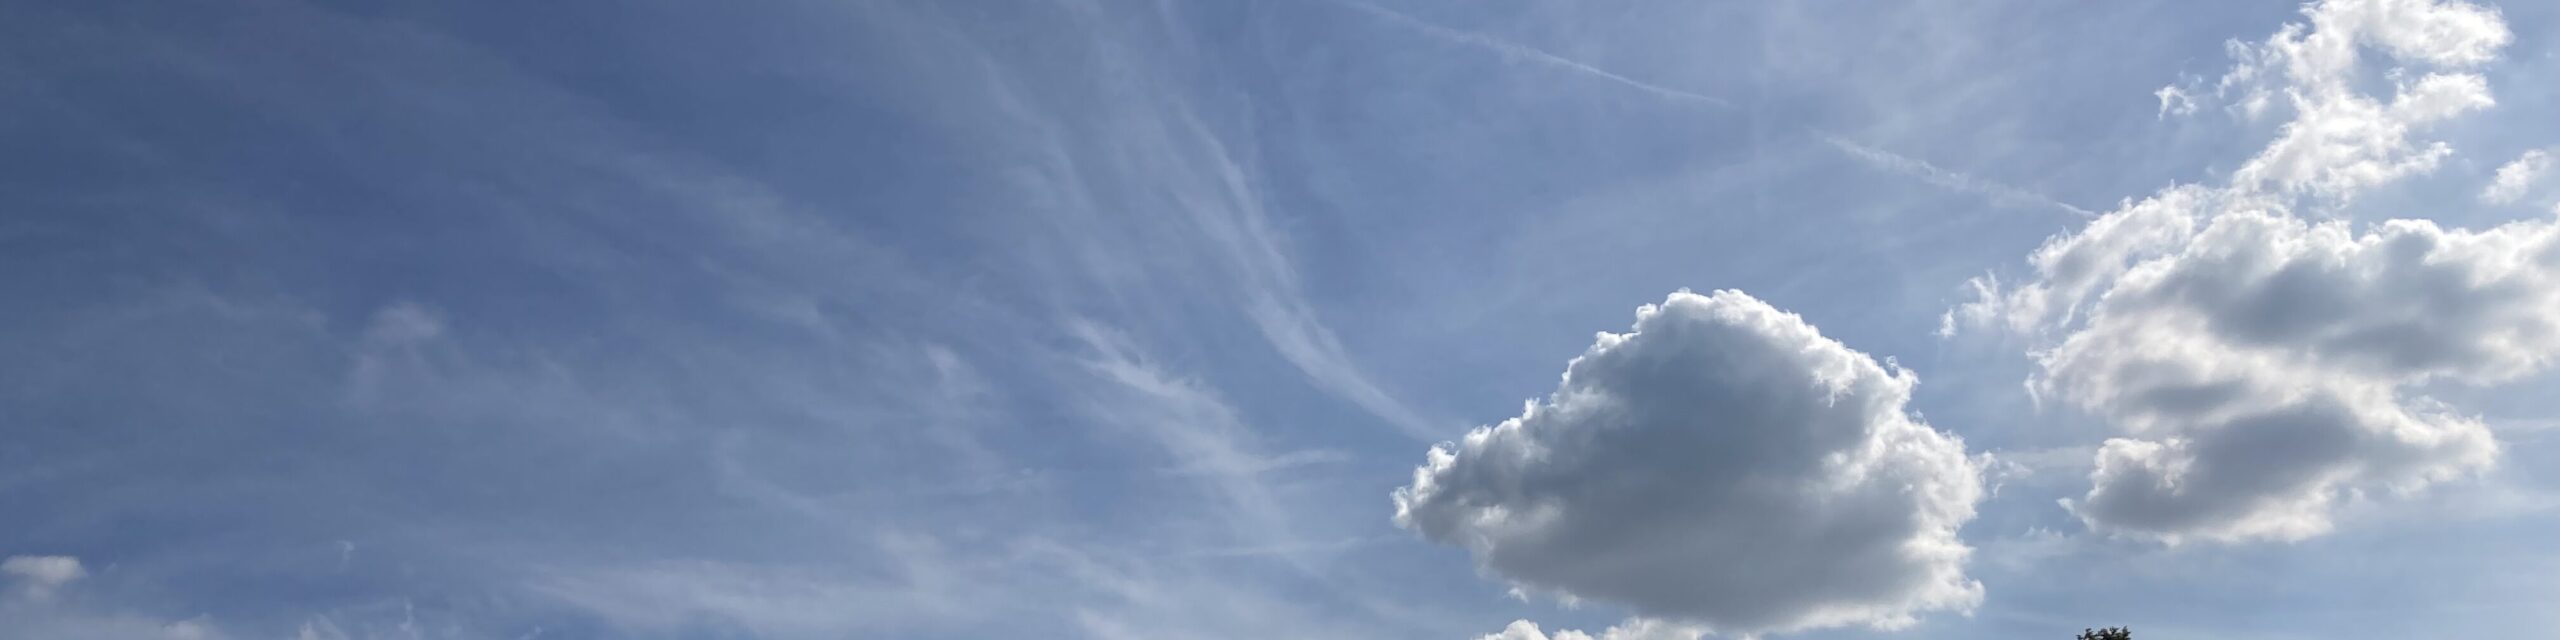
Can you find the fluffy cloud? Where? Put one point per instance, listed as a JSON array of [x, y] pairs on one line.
[[1723, 464], [2516, 178], [2266, 361], [2262, 367], [40, 575], [2341, 139], [2406, 301]]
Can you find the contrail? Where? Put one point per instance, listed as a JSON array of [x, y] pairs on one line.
[[1930, 173], [1933, 174], [1516, 51]]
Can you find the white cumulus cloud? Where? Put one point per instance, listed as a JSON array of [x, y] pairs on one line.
[[1722, 464], [2261, 367]]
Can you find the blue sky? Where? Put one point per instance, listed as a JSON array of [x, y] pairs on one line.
[[1126, 319]]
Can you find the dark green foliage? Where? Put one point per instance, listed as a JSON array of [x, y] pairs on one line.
[[2109, 633]]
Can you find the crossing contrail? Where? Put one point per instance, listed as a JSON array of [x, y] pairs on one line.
[[1516, 51]]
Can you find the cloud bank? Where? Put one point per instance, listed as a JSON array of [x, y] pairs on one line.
[[1722, 463]]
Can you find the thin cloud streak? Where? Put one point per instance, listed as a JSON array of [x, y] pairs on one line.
[[1922, 169], [1950, 179], [1517, 51]]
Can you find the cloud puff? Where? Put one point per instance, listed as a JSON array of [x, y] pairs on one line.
[[33, 611], [42, 574], [1630, 630], [1724, 464], [2262, 367], [2516, 178]]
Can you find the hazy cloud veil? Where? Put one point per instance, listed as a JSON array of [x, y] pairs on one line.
[[1153, 319]]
